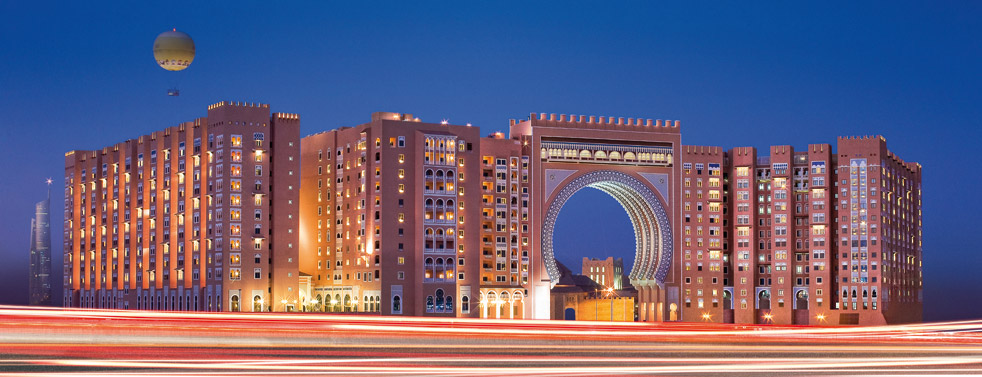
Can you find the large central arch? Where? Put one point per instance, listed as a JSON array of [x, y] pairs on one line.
[[652, 232]]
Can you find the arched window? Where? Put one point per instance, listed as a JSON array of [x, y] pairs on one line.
[[438, 182], [465, 305], [347, 303], [320, 303], [439, 300], [396, 305], [337, 302], [235, 303], [449, 211], [449, 304], [429, 304]]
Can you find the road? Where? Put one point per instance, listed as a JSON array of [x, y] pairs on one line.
[[39, 341]]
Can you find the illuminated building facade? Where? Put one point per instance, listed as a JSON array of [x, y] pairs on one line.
[[385, 224], [815, 236], [505, 251], [201, 216], [607, 272], [397, 216], [723, 236]]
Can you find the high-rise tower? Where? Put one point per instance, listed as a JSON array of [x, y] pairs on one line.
[[40, 285]]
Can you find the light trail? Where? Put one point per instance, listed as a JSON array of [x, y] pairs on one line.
[[109, 342]]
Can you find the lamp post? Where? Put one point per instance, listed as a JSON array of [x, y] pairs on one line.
[[610, 292], [596, 304]]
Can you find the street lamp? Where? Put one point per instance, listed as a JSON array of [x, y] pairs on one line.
[[610, 291], [706, 317], [768, 317], [820, 317]]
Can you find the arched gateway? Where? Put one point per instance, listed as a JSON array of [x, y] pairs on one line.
[[652, 231], [631, 161]]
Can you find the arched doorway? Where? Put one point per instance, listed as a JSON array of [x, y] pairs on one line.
[[727, 306], [800, 307], [257, 303], [518, 305], [569, 314], [801, 300], [764, 306]]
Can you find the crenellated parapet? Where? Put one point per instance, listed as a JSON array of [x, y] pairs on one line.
[[602, 122], [237, 104], [702, 150]]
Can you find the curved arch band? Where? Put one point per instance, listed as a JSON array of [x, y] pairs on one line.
[[652, 231]]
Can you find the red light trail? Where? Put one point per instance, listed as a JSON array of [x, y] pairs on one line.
[[49, 341]]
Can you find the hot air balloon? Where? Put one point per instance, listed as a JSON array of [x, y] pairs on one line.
[[174, 51]]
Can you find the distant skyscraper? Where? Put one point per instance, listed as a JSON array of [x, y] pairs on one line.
[[41, 253]]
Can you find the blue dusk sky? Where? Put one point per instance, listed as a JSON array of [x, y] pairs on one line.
[[81, 75]]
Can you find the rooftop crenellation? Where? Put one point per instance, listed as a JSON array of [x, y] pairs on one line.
[[603, 121], [237, 104]]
